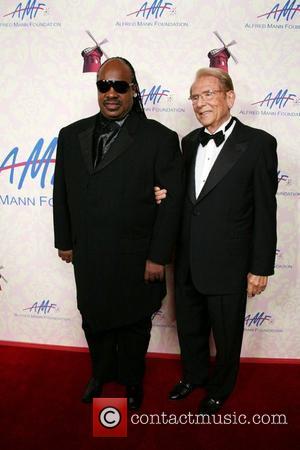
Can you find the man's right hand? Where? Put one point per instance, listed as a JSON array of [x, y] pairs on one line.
[[66, 255], [160, 194]]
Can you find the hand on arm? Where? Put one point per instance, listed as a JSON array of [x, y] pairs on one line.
[[154, 271], [160, 194], [66, 255], [256, 284]]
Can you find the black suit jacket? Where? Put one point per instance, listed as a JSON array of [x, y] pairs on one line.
[[230, 229], [109, 217]]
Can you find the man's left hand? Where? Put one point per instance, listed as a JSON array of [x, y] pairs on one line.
[[153, 271], [256, 284], [160, 194]]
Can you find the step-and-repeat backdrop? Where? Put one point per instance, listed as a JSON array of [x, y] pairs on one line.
[[43, 88]]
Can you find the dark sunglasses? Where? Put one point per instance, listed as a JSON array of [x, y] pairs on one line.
[[118, 85]]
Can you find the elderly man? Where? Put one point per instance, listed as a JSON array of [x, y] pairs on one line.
[[228, 237], [107, 223]]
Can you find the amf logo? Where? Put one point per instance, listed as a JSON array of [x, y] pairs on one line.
[[282, 11], [283, 178], [278, 99], [42, 308], [257, 320], [154, 95], [152, 10], [279, 103], [28, 11], [39, 165], [287, 185]]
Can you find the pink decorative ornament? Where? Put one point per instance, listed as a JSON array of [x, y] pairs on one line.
[[92, 55], [91, 59], [219, 56]]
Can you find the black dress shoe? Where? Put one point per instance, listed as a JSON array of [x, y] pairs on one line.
[[210, 405], [134, 394], [181, 390], [92, 390]]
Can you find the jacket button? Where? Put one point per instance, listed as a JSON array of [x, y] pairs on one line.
[[196, 212]]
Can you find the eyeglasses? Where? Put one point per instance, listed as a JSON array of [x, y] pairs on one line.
[[205, 96], [121, 87]]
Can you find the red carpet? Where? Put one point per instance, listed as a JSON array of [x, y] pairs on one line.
[[40, 406]]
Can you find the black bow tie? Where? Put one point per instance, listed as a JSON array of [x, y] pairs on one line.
[[219, 137], [204, 137]]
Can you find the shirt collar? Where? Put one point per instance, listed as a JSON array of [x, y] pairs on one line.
[[222, 127]]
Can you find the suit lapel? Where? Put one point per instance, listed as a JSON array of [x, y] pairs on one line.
[[120, 145], [232, 150]]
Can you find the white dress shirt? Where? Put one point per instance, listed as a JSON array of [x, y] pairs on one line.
[[206, 157]]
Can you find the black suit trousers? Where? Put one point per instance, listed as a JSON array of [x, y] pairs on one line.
[[119, 354], [197, 315]]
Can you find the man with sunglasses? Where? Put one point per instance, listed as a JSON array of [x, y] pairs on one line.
[[227, 242], [107, 223]]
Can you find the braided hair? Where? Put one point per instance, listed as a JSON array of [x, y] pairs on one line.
[[137, 100]]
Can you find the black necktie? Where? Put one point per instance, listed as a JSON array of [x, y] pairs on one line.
[[219, 137], [105, 133]]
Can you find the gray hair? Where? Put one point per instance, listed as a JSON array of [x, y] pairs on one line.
[[223, 77]]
